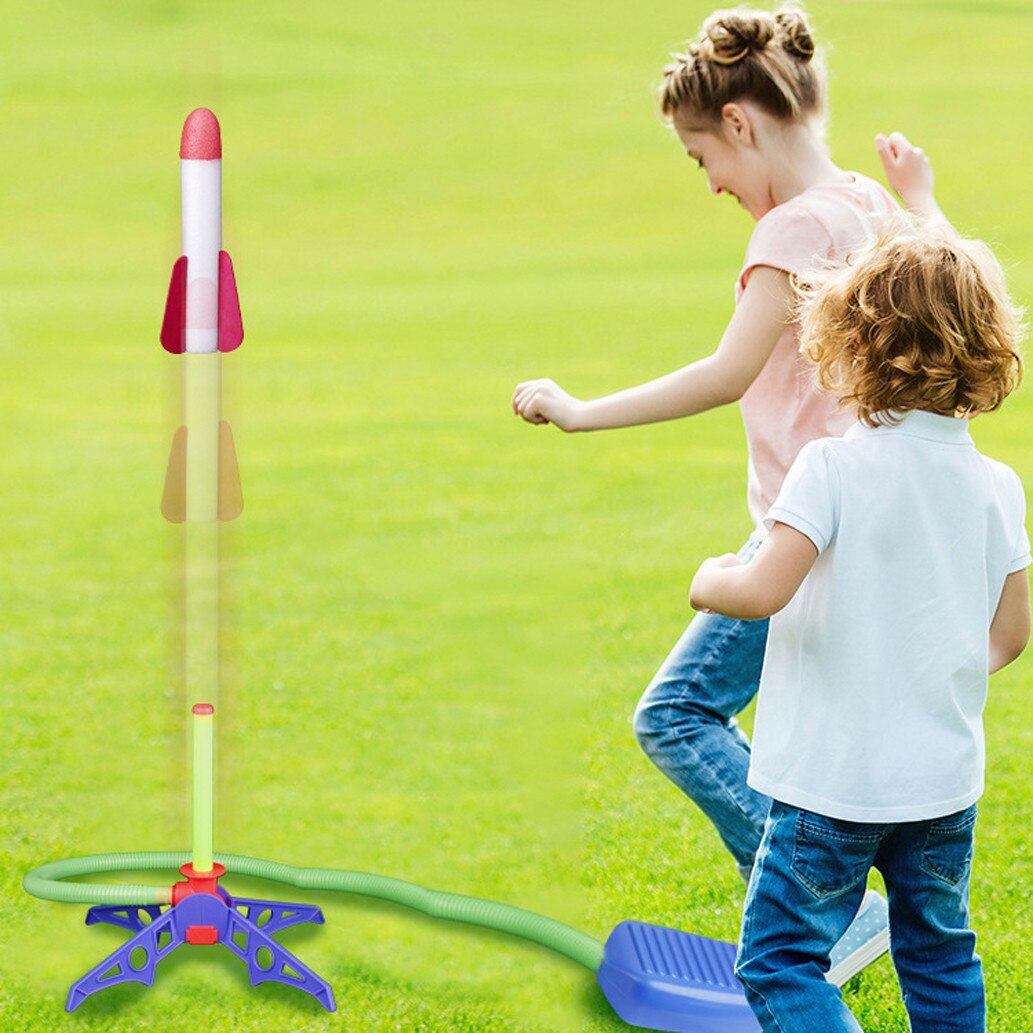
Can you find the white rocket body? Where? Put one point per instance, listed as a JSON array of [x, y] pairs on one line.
[[202, 241]]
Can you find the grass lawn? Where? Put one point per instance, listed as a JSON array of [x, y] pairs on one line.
[[438, 620]]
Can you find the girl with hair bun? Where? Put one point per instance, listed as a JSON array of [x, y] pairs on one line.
[[746, 99]]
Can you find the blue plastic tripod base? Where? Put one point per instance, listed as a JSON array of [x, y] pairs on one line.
[[664, 979], [242, 925]]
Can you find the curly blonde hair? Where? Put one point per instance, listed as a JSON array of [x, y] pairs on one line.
[[745, 54], [919, 319]]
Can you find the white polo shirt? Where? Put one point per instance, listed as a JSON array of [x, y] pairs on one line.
[[875, 674]]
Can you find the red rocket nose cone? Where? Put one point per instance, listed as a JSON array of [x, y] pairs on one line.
[[201, 137]]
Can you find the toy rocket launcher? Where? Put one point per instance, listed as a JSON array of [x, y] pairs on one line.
[[202, 320], [201, 912]]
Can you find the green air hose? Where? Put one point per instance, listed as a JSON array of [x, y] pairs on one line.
[[47, 883]]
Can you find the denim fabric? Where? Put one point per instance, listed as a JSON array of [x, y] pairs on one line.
[[807, 884], [686, 723]]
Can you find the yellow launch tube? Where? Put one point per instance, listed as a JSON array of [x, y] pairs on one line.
[[203, 770]]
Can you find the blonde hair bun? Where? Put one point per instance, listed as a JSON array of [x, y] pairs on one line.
[[794, 34], [731, 36]]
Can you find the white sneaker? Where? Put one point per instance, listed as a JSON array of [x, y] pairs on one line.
[[867, 939]]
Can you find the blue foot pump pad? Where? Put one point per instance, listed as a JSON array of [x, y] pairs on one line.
[[664, 979]]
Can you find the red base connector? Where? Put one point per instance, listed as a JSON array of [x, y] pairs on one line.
[[197, 882], [204, 934]]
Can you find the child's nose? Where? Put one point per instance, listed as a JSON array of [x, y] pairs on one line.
[[714, 188]]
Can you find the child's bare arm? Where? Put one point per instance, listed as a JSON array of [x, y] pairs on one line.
[[762, 586], [751, 335], [909, 173], [1009, 630]]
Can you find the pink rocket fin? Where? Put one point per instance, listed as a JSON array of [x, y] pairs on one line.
[[173, 326], [174, 497], [231, 498], [231, 327]]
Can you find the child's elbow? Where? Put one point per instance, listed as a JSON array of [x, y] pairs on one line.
[[1022, 641], [759, 606], [1007, 647], [731, 387], [768, 601], [1013, 647]]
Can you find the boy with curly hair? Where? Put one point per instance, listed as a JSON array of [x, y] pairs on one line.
[[895, 570]]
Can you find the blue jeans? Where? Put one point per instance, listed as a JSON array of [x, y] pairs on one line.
[[806, 887], [686, 723]]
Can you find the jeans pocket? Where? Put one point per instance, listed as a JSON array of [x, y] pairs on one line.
[[832, 856], [947, 854]]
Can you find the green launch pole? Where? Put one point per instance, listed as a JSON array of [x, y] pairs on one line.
[[203, 790]]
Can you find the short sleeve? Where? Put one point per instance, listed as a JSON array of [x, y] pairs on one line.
[[809, 498], [1022, 556], [791, 238], [1020, 553]]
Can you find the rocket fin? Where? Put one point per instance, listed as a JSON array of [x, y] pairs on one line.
[[174, 497], [231, 497], [231, 326], [173, 326]]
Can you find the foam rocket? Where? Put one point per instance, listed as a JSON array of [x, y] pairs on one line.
[[202, 321]]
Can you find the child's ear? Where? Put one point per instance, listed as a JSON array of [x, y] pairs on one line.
[[737, 122]]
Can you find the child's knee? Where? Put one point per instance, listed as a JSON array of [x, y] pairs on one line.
[[758, 972], [651, 720], [664, 720]]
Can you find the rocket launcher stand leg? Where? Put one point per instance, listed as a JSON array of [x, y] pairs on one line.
[[281, 915], [134, 961], [126, 916]]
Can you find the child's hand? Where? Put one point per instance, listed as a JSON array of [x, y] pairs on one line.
[[702, 583], [909, 172], [544, 401]]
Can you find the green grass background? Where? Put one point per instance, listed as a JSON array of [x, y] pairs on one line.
[[438, 619]]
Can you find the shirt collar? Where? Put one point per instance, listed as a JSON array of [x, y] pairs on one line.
[[917, 424]]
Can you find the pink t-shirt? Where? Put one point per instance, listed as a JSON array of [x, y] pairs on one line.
[[782, 408]]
